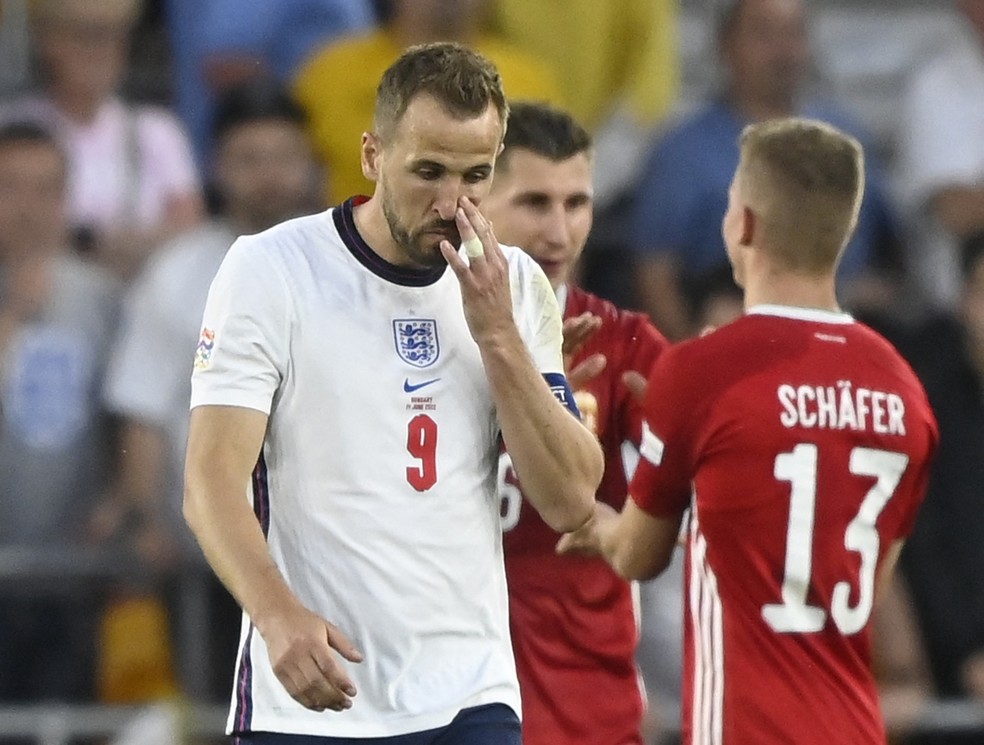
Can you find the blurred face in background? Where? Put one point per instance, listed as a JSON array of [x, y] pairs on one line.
[[264, 172], [544, 207], [32, 198], [84, 44], [766, 51]]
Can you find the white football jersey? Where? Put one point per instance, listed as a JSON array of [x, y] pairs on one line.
[[376, 484]]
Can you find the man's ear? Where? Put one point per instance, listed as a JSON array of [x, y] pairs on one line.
[[371, 152], [749, 224]]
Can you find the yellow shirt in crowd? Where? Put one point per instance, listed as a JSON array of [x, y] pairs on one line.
[[603, 52], [337, 88]]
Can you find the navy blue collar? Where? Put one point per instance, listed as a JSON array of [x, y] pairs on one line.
[[344, 217]]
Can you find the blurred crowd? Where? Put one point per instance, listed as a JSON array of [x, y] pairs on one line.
[[138, 139]]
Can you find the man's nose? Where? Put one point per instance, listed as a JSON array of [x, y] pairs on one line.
[[446, 200], [557, 229]]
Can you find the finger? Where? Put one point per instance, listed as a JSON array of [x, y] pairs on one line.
[[306, 684], [587, 370], [563, 545], [450, 254], [473, 248], [636, 383], [327, 685], [340, 684], [574, 330], [571, 545], [476, 220], [481, 227], [578, 330], [319, 698], [471, 244], [338, 641]]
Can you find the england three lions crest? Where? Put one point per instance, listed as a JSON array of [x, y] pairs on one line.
[[416, 341]]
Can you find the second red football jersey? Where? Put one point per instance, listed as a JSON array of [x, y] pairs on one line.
[[800, 441], [573, 621]]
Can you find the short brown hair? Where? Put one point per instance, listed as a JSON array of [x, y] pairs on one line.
[[462, 80], [544, 130], [805, 179]]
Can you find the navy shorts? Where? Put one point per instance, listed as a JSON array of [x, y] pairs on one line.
[[494, 724]]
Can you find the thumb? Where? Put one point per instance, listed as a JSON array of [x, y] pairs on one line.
[[342, 644], [568, 544], [636, 383]]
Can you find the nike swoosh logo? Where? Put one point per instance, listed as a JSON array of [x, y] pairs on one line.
[[410, 388]]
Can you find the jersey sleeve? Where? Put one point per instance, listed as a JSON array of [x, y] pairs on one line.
[[661, 484], [539, 318], [540, 322], [241, 356]]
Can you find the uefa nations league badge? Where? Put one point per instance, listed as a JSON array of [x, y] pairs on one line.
[[416, 341]]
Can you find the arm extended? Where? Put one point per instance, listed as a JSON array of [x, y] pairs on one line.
[[223, 446], [557, 459]]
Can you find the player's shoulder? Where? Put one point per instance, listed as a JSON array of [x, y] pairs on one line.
[[532, 292], [721, 357], [278, 253], [522, 268], [716, 343], [883, 354]]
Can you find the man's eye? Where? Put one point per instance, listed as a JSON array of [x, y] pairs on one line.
[[428, 174], [474, 178]]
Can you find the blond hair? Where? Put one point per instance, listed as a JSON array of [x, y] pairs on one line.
[[804, 179]]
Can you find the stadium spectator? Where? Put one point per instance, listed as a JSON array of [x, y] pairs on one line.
[[617, 65], [941, 154], [944, 561], [218, 44], [798, 442], [264, 174], [132, 179], [339, 102], [573, 621], [56, 320], [358, 372], [682, 195]]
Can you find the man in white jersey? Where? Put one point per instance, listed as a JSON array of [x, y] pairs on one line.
[[358, 390]]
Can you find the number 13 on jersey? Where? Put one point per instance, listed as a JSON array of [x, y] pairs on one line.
[[799, 467]]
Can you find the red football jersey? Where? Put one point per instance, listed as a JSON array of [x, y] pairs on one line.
[[801, 441], [573, 620]]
